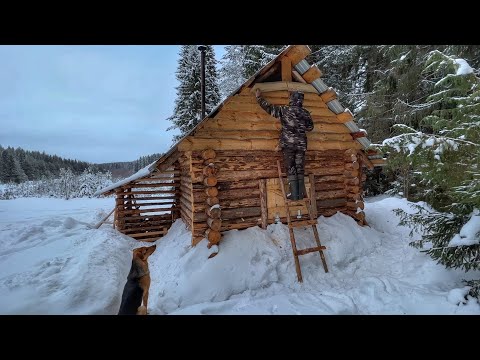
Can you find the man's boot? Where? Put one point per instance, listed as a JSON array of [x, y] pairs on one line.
[[301, 187], [293, 181]]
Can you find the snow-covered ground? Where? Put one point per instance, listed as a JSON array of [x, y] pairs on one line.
[[53, 262]]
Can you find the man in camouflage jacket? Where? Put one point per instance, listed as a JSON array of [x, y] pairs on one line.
[[296, 121]]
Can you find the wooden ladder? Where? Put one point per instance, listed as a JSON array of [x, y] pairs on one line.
[[293, 223]]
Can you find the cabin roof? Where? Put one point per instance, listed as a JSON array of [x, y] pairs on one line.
[[291, 50]]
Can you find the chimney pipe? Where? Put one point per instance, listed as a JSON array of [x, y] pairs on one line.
[[202, 49]]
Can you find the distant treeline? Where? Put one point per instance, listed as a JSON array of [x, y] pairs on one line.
[[18, 165]]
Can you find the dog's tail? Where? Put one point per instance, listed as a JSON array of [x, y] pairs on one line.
[[142, 310]]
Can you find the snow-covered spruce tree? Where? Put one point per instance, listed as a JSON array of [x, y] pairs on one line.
[[231, 71], [188, 105], [257, 56], [445, 158]]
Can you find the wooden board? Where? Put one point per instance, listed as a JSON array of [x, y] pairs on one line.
[[298, 53], [276, 202], [284, 86]]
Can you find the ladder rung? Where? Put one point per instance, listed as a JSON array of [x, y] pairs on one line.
[[294, 224], [309, 250]]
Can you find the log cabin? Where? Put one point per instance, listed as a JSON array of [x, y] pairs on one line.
[[223, 174]]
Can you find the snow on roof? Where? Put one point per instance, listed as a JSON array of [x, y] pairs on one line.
[[147, 170]]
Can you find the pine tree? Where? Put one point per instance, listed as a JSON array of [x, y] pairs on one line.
[[212, 92], [187, 112], [232, 69], [257, 56], [445, 158]]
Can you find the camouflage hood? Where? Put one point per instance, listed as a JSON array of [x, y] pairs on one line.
[[296, 98]]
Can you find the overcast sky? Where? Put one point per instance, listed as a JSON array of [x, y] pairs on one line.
[[90, 103]]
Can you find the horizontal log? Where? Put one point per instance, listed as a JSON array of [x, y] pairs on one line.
[[214, 224], [329, 186], [323, 194], [352, 166], [230, 185], [331, 211], [222, 122], [210, 181], [351, 158], [158, 222], [208, 154], [235, 194], [157, 185], [213, 201], [140, 229], [144, 211], [356, 215], [211, 191], [139, 203], [145, 218], [354, 196], [213, 236], [243, 223], [259, 144], [137, 236], [313, 101], [324, 119], [355, 205], [160, 177], [283, 86], [241, 212], [351, 173], [352, 181], [329, 178], [331, 203], [214, 213], [352, 189], [149, 239], [240, 135], [210, 170], [153, 192], [241, 202], [265, 174]]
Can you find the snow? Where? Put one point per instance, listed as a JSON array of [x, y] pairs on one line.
[[53, 262], [138, 175], [463, 67], [470, 232]]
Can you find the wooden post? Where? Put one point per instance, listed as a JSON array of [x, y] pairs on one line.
[[262, 183], [286, 69]]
